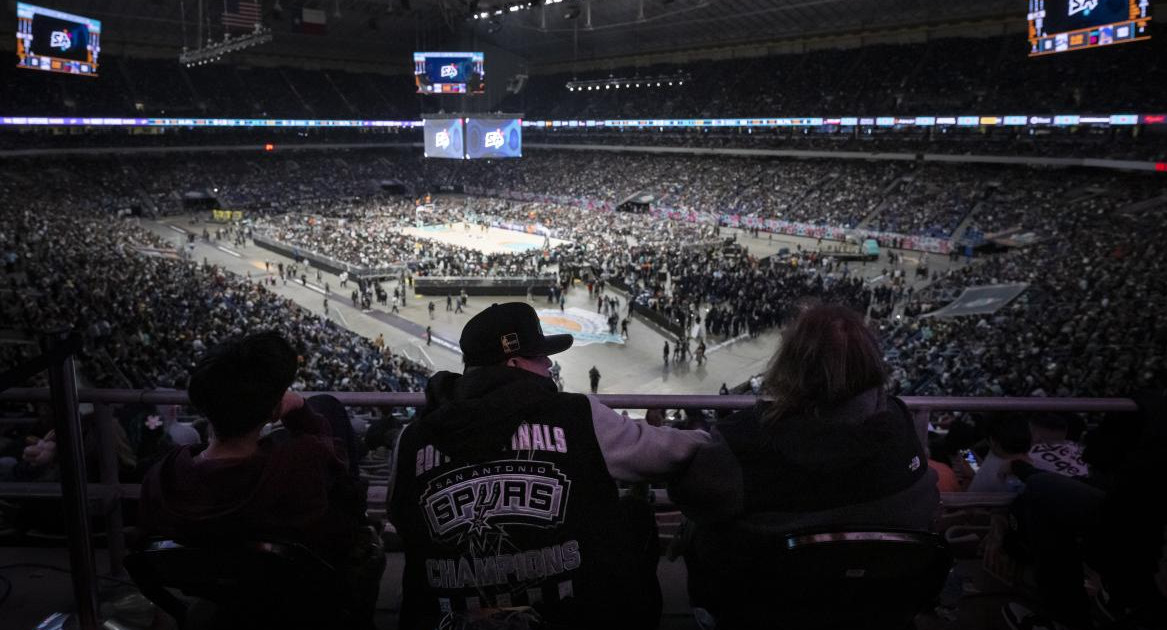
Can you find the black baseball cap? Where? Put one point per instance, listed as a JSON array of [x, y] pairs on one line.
[[507, 330]]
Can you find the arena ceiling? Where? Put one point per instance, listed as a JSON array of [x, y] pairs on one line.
[[608, 28], [388, 30]]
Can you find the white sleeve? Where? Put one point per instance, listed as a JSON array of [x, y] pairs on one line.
[[636, 451]]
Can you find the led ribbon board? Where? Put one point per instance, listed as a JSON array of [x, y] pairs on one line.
[[1004, 120]]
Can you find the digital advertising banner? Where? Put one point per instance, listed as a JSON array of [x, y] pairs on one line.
[[443, 138], [494, 138]]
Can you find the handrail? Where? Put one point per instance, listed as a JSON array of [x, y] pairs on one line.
[[616, 401]]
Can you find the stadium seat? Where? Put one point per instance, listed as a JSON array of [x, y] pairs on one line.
[[873, 579], [249, 585]]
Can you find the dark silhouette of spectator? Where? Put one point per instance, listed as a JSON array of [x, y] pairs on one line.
[[1113, 521], [540, 524], [832, 449], [1009, 438], [295, 485]]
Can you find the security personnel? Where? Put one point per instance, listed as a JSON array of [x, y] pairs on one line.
[[504, 491]]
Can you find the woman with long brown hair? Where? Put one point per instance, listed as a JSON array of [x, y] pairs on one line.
[[826, 448]]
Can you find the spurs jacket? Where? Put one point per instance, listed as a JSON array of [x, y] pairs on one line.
[[504, 493]]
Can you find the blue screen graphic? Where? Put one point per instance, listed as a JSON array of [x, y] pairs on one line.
[[450, 72], [448, 69], [443, 139], [494, 138]]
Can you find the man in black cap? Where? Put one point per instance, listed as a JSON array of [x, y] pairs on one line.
[[504, 491]]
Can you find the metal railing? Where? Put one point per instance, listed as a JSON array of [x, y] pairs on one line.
[[109, 492]]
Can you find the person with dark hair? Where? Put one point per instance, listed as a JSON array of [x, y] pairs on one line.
[[949, 454], [298, 485], [829, 448], [504, 491], [940, 460], [1008, 438]]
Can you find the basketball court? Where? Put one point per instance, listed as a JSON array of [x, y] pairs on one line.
[[489, 241]]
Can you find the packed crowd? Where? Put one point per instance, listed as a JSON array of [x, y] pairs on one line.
[[633, 249], [747, 297], [892, 196], [1060, 142], [147, 313], [1012, 203], [932, 200], [1089, 323], [1080, 217]]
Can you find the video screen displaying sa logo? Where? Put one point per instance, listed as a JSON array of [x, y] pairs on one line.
[[442, 140], [450, 71], [62, 40], [493, 140], [1082, 6]]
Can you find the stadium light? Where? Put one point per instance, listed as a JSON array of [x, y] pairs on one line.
[[576, 85], [215, 51], [505, 8]]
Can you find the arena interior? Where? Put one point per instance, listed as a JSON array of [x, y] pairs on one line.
[[671, 182]]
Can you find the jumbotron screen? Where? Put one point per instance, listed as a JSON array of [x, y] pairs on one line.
[[494, 138], [449, 72], [1062, 25], [54, 41], [443, 138]]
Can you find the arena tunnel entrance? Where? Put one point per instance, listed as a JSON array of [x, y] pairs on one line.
[[639, 203]]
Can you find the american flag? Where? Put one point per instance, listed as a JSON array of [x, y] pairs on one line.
[[240, 13]]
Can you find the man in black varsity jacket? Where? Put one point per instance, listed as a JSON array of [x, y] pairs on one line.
[[504, 491]]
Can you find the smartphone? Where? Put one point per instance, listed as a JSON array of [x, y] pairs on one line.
[[972, 460]]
